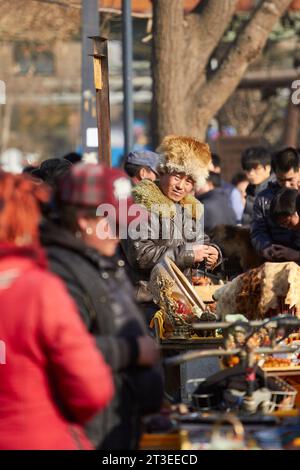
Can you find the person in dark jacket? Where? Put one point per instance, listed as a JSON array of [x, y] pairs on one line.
[[285, 208], [256, 162], [217, 209], [175, 223], [264, 231], [285, 211], [81, 249], [229, 190]]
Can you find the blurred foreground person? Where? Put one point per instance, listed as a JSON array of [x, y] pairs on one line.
[[85, 259], [51, 170], [51, 369]]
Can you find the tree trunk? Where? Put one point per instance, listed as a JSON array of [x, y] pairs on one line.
[[168, 75]]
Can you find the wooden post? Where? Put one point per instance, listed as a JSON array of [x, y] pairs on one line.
[[102, 98]]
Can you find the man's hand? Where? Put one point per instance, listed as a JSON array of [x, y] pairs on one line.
[[268, 253], [213, 256], [148, 351], [286, 254], [200, 252]]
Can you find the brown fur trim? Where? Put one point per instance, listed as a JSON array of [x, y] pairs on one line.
[[148, 194]]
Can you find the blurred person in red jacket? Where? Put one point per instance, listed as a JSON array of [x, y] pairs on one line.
[[93, 210], [52, 378]]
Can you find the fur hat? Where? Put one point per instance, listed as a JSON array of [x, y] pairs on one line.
[[185, 155]]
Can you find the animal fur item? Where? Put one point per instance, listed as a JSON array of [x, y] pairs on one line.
[[261, 291], [185, 155], [149, 195]]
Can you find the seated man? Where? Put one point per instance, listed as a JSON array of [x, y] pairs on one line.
[[175, 217], [141, 165], [256, 162], [264, 231]]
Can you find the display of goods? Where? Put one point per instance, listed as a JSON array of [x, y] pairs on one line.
[[182, 306], [201, 280], [249, 295], [179, 304], [277, 362], [292, 337], [262, 292]]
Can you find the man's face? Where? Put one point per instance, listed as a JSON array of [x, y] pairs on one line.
[[176, 186], [97, 233], [290, 179], [148, 174], [242, 187], [258, 174], [214, 168], [291, 222], [143, 174]]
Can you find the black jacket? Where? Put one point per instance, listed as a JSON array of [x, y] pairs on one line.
[[264, 232], [252, 191], [105, 300], [217, 210]]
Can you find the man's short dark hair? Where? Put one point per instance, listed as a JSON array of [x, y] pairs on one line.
[[239, 178], [51, 170], [285, 160], [254, 156], [215, 179], [133, 170], [73, 157], [28, 169], [285, 203], [216, 160]]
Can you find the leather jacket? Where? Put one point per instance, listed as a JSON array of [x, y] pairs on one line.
[[172, 229]]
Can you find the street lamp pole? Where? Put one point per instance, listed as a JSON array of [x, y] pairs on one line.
[[128, 114], [89, 132]]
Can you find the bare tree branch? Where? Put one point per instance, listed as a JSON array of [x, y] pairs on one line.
[[203, 33], [60, 4], [249, 44]]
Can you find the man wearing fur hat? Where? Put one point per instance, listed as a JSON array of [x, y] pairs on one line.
[[175, 224]]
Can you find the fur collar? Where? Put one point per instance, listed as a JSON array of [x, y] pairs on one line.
[[148, 194]]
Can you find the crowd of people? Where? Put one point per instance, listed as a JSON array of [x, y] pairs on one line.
[[82, 368]]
